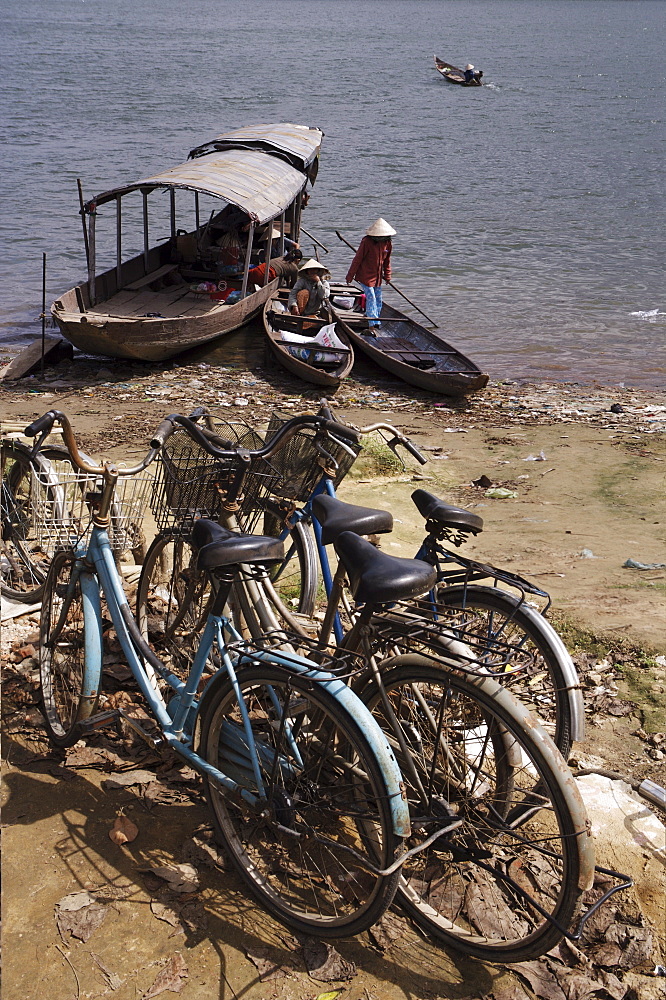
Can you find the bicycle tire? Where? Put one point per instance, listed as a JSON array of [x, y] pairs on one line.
[[70, 655], [24, 562], [335, 799], [545, 687], [172, 600], [521, 816]]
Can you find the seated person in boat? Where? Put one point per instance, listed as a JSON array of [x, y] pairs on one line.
[[285, 268], [372, 265], [311, 289], [472, 74], [275, 243]]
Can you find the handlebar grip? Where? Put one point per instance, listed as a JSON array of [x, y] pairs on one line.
[[341, 430], [414, 451], [43, 423], [163, 432]]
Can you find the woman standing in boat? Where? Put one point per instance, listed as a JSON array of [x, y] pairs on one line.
[[372, 265]]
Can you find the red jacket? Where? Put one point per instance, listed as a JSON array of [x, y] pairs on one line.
[[371, 263]]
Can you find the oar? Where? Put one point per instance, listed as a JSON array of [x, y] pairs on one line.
[[314, 239], [394, 287]]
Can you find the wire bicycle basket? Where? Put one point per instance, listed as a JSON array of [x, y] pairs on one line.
[[64, 499], [300, 461]]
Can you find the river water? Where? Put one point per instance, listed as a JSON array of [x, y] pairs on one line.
[[530, 212]]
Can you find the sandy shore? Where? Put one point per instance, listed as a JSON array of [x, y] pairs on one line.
[[586, 465]]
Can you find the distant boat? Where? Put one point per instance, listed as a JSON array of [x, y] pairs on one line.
[[403, 347], [291, 340], [455, 75], [193, 286]]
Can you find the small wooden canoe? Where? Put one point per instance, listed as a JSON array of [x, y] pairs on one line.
[[305, 357], [403, 347], [454, 75]]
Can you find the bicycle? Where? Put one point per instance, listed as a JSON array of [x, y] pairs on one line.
[[29, 479], [484, 783], [500, 618], [303, 788]]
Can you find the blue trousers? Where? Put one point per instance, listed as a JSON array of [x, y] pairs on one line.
[[373, 303]]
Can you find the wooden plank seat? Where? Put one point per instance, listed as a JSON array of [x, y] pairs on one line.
[[148, 279]]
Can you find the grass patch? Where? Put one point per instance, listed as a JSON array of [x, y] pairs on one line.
[[376, 459], [644, 687]]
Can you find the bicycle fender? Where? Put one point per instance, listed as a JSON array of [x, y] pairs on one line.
[[92, 617], [359, 713]]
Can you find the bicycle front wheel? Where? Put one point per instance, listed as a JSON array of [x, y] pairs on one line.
[[311, 850], [499, 621], [70, 656], [499, 884], [296, 578]]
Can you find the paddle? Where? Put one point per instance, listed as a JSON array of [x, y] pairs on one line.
[[394, 287]]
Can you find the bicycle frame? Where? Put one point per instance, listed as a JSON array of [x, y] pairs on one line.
[[178, 719]]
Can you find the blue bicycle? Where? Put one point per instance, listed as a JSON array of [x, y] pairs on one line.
[[304, 790]]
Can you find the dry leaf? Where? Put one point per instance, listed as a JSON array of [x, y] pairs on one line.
[[123, 831], [171, 977], [181, 878], [110, 978], [324, 963], [79, 914], [137, 777]]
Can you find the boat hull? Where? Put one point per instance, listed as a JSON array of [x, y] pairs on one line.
[[401, 345], [297, 366], [154, 338]]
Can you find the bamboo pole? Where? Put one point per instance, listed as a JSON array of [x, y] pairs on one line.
[[83, 221], [43, 309]]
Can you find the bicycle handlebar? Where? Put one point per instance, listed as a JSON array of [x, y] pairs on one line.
[[397, 437]]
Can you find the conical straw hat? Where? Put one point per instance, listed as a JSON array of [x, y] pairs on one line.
[[380, 228], [312, 265]]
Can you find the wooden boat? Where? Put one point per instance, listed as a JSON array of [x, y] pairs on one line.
[[173, 296], [455, 75], [407, 349], [309, 360]]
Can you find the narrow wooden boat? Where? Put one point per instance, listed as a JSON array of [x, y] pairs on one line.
[[454, 75], [305, 357], [195, 286], [407, 349]]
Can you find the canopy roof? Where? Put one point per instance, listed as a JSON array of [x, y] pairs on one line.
[[256, 181], [298, 144]]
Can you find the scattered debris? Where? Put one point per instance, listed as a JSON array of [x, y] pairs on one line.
[[172, 977], [123, 831], [324, 963], [79, 914]]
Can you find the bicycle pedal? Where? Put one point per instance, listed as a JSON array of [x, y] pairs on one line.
[[101, 720]]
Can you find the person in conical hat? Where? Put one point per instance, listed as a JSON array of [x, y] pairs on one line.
[[311, 289], [372, 265], [470, 75]]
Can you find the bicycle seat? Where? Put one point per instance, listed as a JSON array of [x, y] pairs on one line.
[[336, 516], [217, 546], [435, 509], [378, 578]]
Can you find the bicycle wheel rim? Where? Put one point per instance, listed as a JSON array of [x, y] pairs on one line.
[[336, 801], [524, 825], [545, 688], [70, 651]]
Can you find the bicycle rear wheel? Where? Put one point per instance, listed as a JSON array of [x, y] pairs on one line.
[[70, 657], [24, 561], [494, 886], [500, 621], [325, 823]]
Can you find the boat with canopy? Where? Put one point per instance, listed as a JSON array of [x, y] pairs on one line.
[[245, 191]]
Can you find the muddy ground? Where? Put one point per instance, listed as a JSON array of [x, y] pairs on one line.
[[589, 485]]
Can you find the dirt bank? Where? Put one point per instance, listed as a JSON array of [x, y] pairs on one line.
[[589, 495]]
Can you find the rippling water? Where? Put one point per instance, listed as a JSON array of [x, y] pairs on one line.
[[530, 212]]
